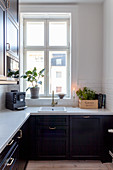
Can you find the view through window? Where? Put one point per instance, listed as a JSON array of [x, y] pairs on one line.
[[47, 45]]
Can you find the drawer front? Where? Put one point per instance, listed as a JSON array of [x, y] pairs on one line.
[[51, 120], [52, 131], [52, 148], [11, 160]]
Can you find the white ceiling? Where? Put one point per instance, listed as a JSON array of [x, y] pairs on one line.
[[59, 1]]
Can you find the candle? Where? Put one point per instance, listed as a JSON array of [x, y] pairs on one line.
[[73, 93]]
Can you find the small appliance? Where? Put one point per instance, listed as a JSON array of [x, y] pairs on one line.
[[15, 100]]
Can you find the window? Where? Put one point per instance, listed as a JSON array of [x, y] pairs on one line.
[[47, 45], [58, 74]]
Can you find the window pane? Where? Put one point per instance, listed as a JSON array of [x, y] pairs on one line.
[[57, 33], [36, 59], [58, 72], [35, 33]]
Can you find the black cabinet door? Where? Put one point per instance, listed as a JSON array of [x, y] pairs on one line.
[[52, 148], [24, 145], [12, 6], [2, 39], [106, 138], [52, 137], [32, 137], [12, 37], [84, 137]]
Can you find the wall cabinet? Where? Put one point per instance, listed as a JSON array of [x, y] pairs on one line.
[[12, 6], [9, 35], [2, 38], [12, 38]]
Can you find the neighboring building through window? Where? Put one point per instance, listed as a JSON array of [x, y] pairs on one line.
[[47, 45]]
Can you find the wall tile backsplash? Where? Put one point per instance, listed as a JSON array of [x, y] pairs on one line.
[[3, 90]]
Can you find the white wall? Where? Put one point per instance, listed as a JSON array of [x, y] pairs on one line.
[[90, 45], [87, 31], [107, 85]]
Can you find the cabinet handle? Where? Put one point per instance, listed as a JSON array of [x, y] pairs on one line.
[[12, 160], [86, 117], [110, 130], [19, 137], [7, 46], [9, 144], [52, 128]]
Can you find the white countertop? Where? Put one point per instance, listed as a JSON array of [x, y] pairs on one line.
[[11, 121]]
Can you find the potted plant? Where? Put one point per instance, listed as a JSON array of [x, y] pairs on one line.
[[33, 77], [87, 98]]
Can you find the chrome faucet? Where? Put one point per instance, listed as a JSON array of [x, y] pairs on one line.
[[53, 100]]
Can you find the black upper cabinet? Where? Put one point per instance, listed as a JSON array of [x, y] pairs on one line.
[[12, 37], [12, 44], [84, 137], [12, 7], [2, 38]]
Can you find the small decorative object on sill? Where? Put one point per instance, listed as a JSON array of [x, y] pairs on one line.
[[87, 99], [61, 95], [33, 77]]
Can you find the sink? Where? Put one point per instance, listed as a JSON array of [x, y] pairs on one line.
[[52, 110]]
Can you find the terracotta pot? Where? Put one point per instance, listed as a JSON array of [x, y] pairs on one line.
[[34, 92]]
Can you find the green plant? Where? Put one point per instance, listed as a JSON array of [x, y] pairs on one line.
[[86, 94], [14, 74], [33, 77]]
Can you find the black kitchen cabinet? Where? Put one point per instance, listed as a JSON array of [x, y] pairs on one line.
[[12, 7], [85, 137], [107, 123], [2, 38], [9, 158], [52, 137], [12, 38], [24, 145], [32, 137], [15, 154]]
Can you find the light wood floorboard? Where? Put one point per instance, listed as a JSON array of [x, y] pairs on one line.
[[68, 165]]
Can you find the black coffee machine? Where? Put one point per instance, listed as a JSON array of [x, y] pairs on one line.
[[15, 100]]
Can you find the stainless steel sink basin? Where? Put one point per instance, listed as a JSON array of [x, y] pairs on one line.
[[52, 109]]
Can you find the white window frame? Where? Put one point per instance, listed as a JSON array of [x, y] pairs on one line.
[[46, 48]]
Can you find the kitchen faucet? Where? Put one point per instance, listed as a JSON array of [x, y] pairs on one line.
[[53, 100]]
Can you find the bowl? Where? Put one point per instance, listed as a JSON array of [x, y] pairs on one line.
[[61, 95]]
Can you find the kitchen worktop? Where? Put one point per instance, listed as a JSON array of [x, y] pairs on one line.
[[11, 121]]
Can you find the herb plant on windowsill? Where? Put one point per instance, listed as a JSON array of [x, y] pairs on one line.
[[33, 77], [87, 98]]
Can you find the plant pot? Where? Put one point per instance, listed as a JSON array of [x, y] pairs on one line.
[[34, 92]]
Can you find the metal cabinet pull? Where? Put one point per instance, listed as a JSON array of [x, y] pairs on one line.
[[86, 117], [19, 137], [52, 128], [12, 160], [9, 144], [110, 130], [7, 46]]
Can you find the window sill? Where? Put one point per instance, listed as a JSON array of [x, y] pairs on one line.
[[48, 101]]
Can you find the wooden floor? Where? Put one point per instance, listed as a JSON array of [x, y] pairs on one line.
[[68, 165]]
